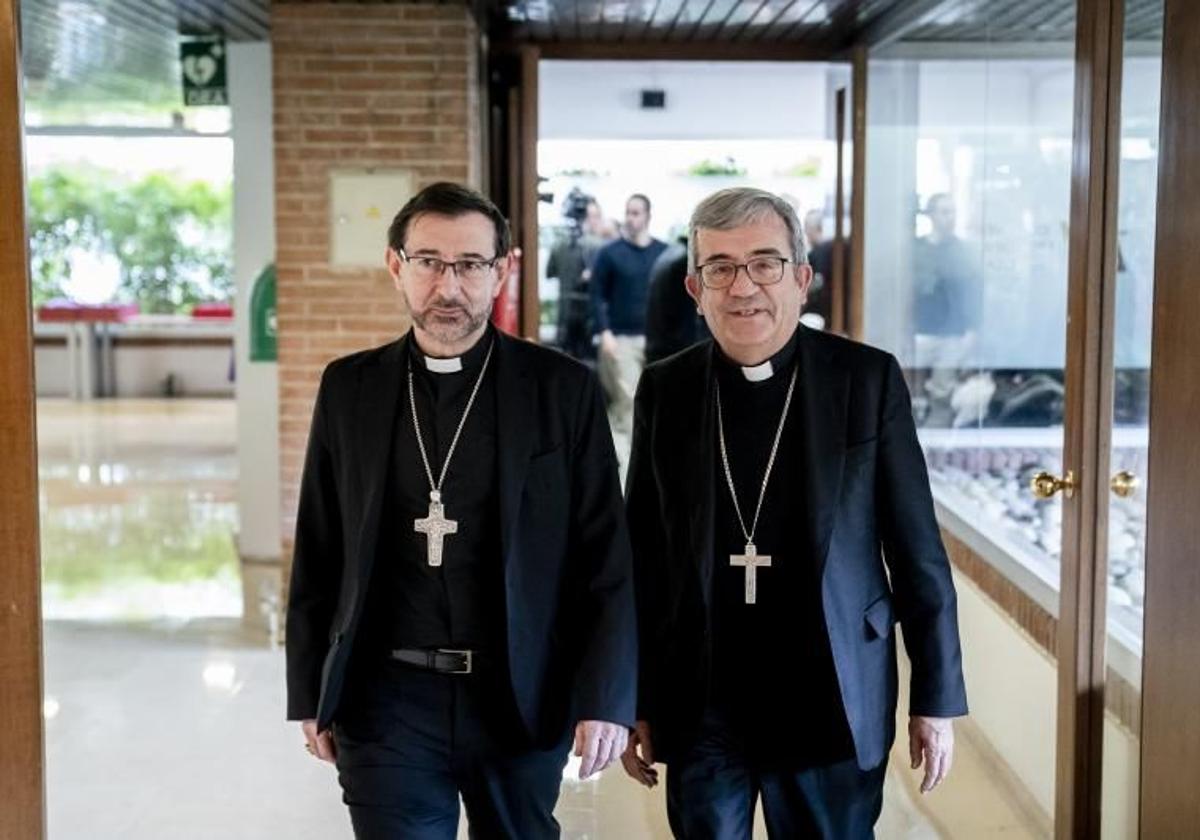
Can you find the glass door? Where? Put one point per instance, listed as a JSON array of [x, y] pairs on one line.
[[1141, 72], [968, 214]]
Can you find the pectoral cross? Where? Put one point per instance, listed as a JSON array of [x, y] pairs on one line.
[[435, 527], [751, 560]]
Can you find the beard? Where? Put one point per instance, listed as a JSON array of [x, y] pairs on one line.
[[449, 327]]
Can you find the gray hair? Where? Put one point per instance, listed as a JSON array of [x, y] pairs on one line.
[[737, 206]]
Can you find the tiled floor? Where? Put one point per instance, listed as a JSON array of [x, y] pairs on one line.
[[164, 718]]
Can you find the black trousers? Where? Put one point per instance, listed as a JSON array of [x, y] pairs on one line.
[[410, 742], [713, 789]]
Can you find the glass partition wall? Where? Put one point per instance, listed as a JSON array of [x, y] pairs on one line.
[[965, 281], [971, 145]]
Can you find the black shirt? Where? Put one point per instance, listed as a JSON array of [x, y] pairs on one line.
[[820, 294], [461, 603], [620, 280], [671, 320], [771, 659]]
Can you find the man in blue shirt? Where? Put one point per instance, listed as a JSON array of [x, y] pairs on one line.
[[620, 282]]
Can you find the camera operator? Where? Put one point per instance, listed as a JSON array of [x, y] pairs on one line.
[[571, 261]]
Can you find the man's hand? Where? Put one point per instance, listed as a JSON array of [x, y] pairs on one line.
[[931, 740], [608, 343], [319, 744], [599, 743], [640, 768]]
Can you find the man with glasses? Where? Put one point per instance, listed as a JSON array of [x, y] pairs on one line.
[[461, 598], [781, 521]]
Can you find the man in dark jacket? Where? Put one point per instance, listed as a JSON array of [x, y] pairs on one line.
[[672, 322], [782, 522], [461, 598]]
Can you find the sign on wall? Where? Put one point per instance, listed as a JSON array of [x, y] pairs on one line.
[[203, 63], [362, 204]]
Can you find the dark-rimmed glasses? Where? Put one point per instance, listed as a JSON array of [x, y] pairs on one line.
[[431, 268], [762, 271]]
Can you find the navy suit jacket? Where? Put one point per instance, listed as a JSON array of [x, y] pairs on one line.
[[867, 520], [568, 586]]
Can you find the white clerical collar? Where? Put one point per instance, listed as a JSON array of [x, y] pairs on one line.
[[436, 365], [759, 373]]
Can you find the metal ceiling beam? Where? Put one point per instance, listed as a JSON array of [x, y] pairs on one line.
[[788, 27], [675, 21], [46, 16], [733, 7], [700, 21], [778, 15], [225, 17], [894, 24], [41, 17], [796, 25], [737, 36], [681, 51]]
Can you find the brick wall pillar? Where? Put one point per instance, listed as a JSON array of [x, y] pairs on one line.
[[354, 86]]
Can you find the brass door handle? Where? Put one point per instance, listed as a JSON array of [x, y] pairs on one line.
[[1044, 485], [1124, 484]]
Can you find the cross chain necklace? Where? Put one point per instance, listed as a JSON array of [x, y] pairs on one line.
[[751, 559], [436, 526]]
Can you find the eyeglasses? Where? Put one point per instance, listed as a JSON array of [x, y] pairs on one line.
[[762, 271], [431, 268]]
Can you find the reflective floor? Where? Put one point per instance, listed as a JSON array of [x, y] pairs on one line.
[[138, 509], [164, 716]]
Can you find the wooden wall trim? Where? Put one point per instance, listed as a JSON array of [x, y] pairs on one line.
[[858, 194], [837, 278], [1170, 806], [22, 756], [1121, 698], [530, 303]]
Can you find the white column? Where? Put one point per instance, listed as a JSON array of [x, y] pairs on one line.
[[257, 388]]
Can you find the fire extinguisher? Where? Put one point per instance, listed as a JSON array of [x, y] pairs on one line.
[[506, 310]]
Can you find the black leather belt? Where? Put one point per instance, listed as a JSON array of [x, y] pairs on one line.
[[441, 660]]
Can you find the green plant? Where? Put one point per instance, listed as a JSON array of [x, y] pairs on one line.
[[61, 217], [810, 167], [726, 167], [171, 238]]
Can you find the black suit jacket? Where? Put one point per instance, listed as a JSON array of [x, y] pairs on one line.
[[868, 514], [671, 320], [568, 586]]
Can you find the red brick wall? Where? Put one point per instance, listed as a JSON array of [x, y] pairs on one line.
[[354, 86]]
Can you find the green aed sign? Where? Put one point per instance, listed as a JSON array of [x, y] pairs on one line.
[[262, 317], [204, 80]]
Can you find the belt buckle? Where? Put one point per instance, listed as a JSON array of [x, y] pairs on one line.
[[467, 655]]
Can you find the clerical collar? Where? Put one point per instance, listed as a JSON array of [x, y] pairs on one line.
[[758, 373], [470, 360], [435, 365], [764, 371]]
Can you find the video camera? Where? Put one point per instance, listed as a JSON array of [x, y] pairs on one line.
[[575, 205]]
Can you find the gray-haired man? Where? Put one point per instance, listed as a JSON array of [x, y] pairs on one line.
[[773, 471]]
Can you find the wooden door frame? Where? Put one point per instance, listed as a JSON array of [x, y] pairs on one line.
[[837, 278], [527, 225], [1087, 420], [1170, 757], [22, 758], [854, 294], [523, 198]]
